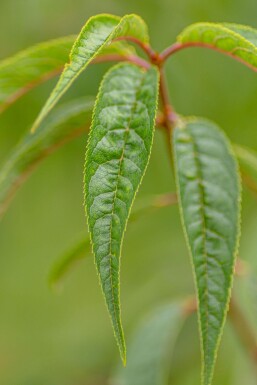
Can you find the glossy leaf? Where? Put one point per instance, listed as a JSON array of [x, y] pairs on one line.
[[27, 69], [149, 347], [95, 35], [235, 40], [64, 124], [209, 196], [118, 153]]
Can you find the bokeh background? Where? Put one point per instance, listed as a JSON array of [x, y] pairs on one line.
[[48, 338]]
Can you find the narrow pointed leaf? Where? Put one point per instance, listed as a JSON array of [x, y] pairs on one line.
[[117, 155], [80, 250], [64, 124], [235, 40], [209, 197], [149, 347], [22, 72], [95, 35]]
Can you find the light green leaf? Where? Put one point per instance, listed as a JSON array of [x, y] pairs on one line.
[[235, 40], [118, 153], [95, 35], [248, 166], [28, 68], [209, 196], [79, 251], [149, 347], [64, 124]]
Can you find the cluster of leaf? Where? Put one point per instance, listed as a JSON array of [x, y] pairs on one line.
[[118, 152]]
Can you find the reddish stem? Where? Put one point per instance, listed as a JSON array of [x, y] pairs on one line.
[[145, 47], [180, 46], [116, 57]]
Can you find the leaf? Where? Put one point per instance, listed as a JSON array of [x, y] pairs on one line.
[[152, 341], [95, 35], [64, 124], [77, 252], [80, 249], [209, 197], [117, 155], [31, 67], [235, 40], [248, 166]]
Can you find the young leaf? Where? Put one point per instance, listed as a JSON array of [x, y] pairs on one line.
[[31, 67], [209, 197], [64, 124], [95, 35], [79, 251], [118, 152], [234, 40], [152, 341]]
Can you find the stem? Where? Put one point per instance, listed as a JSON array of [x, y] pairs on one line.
[[116, 57], [145, 47], [179, 46]]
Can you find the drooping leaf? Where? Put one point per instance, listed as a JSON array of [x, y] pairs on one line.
[[118, 153], [209, 196], [95, 35], [29, 68], [248, 165], [64, 124], [235, 40], [80, 250], [21, 72], [149, 347]]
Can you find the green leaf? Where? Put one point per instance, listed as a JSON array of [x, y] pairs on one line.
[[64, 124], [235, 40], [77, 252], [247, 158], [209, 197], [95, 35], [118, 152], [31, 67], [80, 249], [149, 347]]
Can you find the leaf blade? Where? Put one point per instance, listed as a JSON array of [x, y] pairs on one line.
[[149, 347], [68, 121], [117, 155], [234, 40], [209, 194], [94, 36]]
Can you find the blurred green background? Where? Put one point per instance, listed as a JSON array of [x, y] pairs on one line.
[[52, 339]]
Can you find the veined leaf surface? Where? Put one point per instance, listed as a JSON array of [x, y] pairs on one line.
[[67, 122], [235, 40], [21, 72], [152, 341], [118, 152], [209, 196], [94, 36]]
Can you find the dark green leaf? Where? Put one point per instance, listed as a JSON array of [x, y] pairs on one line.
[[209, 196], [118, 153]]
